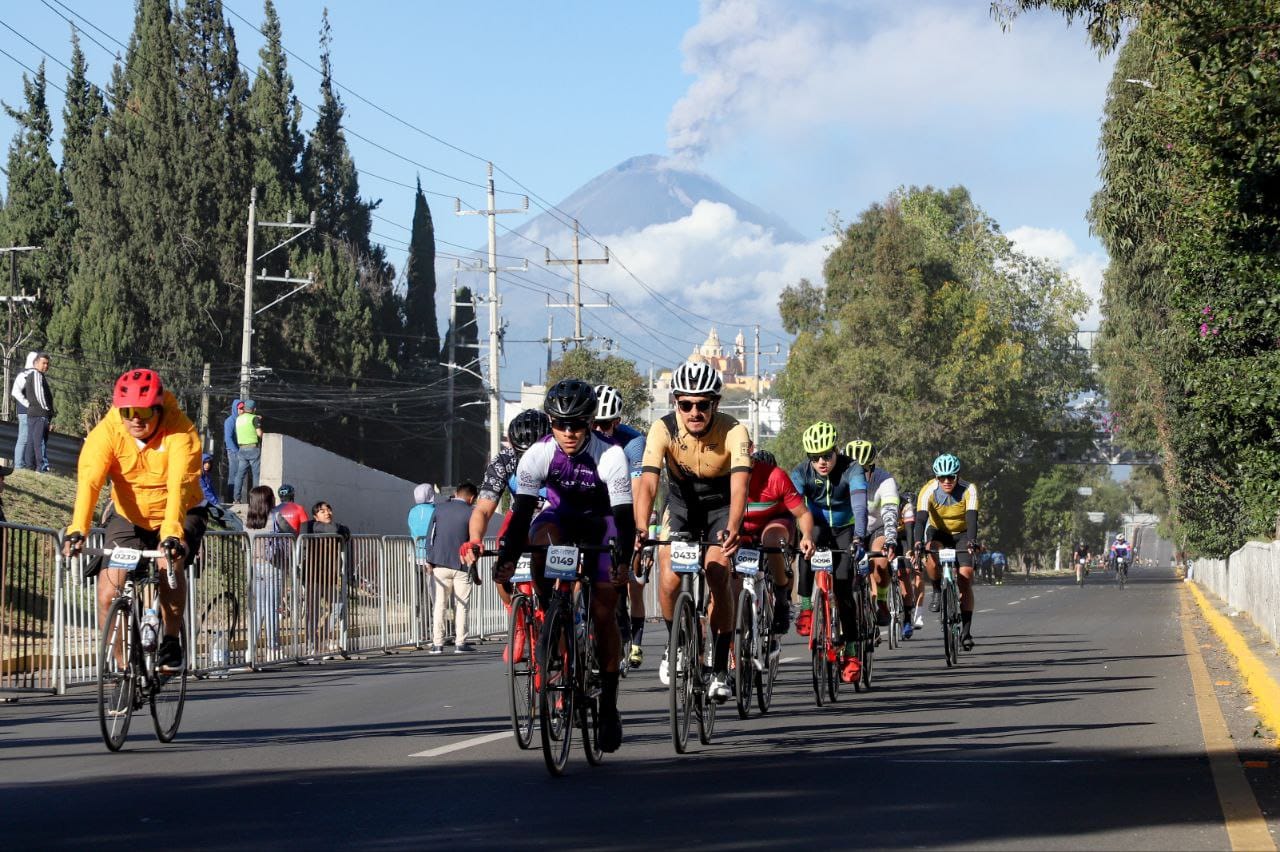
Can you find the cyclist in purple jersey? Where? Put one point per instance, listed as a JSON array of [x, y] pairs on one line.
[[588, 501]]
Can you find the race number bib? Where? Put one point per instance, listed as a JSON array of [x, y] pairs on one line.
[[686, 557], [822, 561], [524, 570], [947, 554], [747, 561], [124, 557], [562, 562]]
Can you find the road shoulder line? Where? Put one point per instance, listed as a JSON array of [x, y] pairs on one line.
[[1259, 681], [1246, 828]]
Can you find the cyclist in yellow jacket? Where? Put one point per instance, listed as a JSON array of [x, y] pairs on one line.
[[150, 452]]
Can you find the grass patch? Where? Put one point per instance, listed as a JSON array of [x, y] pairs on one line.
[[43, 499]]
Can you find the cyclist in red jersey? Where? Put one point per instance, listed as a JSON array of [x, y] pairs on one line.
[[774, 510]]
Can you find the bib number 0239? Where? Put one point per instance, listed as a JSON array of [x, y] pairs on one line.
[[124, 557], [562, 562]]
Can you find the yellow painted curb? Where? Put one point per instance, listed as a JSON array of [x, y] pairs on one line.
[[1265, 689]]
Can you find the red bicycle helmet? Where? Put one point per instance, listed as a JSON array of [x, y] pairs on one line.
[[138, 388]]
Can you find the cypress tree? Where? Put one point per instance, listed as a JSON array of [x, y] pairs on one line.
[[470, 437], [423, 339], [274, 118], [83, 108]]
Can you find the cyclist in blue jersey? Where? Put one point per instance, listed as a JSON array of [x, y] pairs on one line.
[[835, 489], [609, 426], [588, 501]]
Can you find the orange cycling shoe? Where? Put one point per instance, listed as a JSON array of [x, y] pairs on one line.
[[851, 670]]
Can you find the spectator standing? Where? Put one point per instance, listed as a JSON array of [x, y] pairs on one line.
[[267, 559], [206, 480], [452, 580], [291, 513], [19, 393], [424, 508], [322, 522], [249, 446], [233, 454], [39, 399]]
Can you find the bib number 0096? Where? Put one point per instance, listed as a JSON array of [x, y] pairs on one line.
[[822, 561]]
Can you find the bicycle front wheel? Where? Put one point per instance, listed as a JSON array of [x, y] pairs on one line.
[[555, 698], [116, 680], [770, 653], [895, 613], [587, 679], [168, 695], [520, 677], [706, 704], [683, 666], [948, 635], [818, 647], [743, 654]]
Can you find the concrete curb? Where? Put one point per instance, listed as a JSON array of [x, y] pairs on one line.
[[1265, 689]]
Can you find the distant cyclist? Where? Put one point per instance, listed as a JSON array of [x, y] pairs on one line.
[[150, 452], [609, 426], [1120, 550], [882, 521], [1080, 558], [947, 516], [774, 510]]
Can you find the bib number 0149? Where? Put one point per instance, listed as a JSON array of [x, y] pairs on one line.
[[562, 562]]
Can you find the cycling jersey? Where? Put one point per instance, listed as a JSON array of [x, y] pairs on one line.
[[837, 500], [1120, 551], [698, 466], [500, 475], [153, 485], [906, 521], [948, 512], [770, 494], [632, 442], [882, 506], [591, 481]]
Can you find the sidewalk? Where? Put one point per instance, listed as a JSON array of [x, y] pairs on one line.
[[1252, 654]]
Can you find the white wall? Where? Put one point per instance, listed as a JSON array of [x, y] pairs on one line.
[[366, 500]]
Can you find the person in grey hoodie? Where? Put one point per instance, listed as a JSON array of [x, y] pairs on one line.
[[19, 393], [39, 399]]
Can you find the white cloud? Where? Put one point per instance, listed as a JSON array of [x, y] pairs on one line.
[[789, 68], [1085, 267]]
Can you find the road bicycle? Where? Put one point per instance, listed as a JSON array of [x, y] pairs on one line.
[[523, 631], [824, 634], [756, 648], [866, 630], [951, 620], [129, 675], [1122, 570], [897, 606], [691, 647]]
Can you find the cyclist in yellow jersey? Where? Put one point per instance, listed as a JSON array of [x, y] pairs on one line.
[[708, 462], [947, 516]]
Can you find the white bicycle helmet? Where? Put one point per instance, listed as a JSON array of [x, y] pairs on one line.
[[696, 378], [608, 402]]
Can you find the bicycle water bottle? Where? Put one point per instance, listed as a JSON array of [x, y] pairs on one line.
[[150, 628]]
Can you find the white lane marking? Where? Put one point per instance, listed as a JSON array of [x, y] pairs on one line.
[[1033, 597], [986, 761], [464, 744], [981, 611], [1011, 603], [788, 659]]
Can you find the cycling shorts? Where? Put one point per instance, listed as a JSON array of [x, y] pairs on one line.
[[841, 538], [119, 531], [704, 524], [958, 541], [581, 529]]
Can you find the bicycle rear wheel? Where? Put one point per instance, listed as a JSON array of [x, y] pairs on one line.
[[520, 673], [818, 645], [683, 666], [168, 696], [706, 705], [867, 639], [588, 680], [895, 613], [948, 635], [767, 675], [555, 698], [116, 680], [1122, 573], [743, 654]]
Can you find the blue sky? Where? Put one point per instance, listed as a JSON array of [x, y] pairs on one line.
[[802, 107]]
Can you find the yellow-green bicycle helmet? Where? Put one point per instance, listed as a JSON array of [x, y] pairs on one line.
[[863, 452], [819, 438]]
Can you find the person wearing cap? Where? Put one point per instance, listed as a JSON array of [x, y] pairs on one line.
[[424, 509], [249, 441], [233, 449]]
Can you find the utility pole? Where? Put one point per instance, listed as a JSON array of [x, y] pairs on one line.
[[578, 262], [452, 366], [206, 380], [246, 338], [13, 300], [495, 331]]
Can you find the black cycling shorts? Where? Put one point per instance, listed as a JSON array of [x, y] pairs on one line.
[[704, 524], [960, 542], [841, 539], [119, 531]]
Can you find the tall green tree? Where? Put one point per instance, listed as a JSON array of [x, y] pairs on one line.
[[422, 334], [38, 210], [82, 109], [274, 119], [933, 334], [621, 373]]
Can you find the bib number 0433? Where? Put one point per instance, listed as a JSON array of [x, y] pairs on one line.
[[686, 557], [562, 562]]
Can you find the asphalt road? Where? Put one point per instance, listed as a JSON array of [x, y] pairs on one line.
[[1072, 725]]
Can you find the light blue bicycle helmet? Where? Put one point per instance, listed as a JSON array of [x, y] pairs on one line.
[[946, 465]]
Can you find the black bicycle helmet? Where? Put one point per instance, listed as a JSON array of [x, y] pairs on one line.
[[571, 399], [526, 428], [764, 456]]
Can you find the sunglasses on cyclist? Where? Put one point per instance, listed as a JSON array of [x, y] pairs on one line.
[[130, 412], [827, 456], [687, 405], [949, 478], [569, 425]]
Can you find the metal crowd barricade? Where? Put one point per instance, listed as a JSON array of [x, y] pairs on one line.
[[366, 593], [319, 596], [218, 604], [29, 613], [486, 614], [426, 591], [400, 590], [273, 613]]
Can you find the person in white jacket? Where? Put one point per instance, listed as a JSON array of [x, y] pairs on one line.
[[19, 393]]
